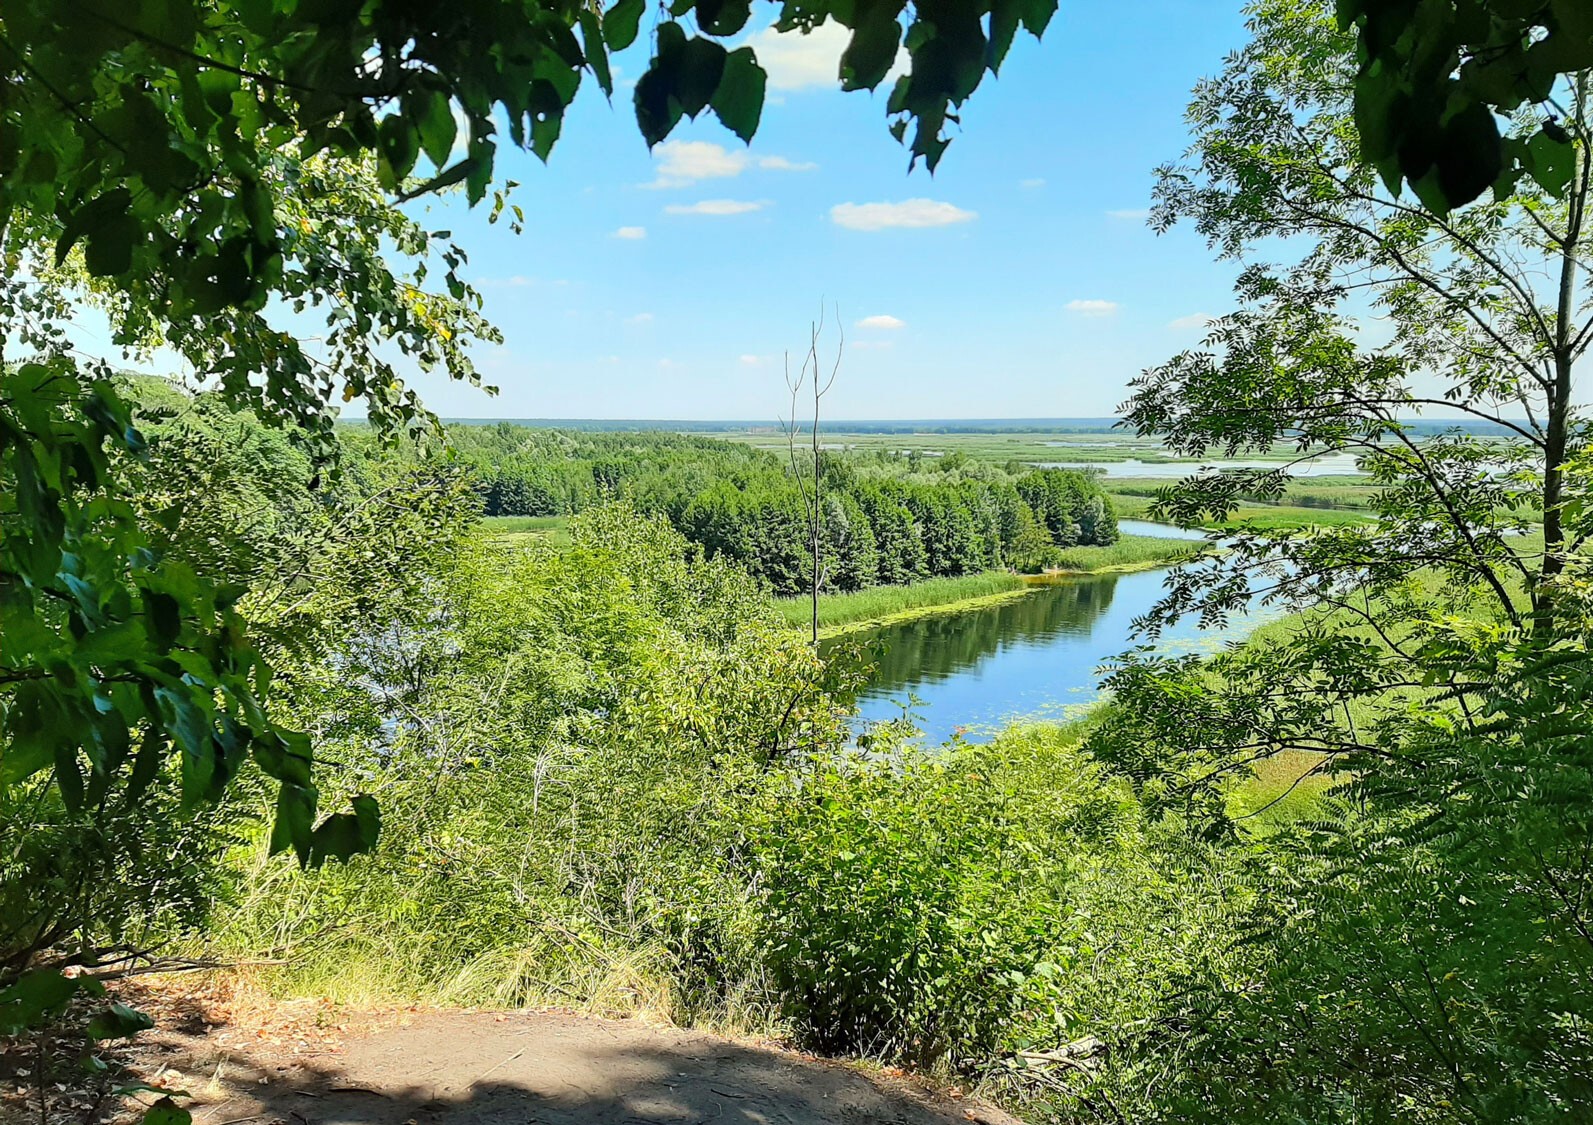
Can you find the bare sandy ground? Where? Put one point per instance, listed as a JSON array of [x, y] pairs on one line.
[[529, 1068]]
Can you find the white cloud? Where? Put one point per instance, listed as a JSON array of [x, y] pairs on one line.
[[640, 318], [682, 163], [631, 233], [795, 61], [781, 164], [908, 213], [1133, 213], [751, 360], [686, 162], [1032, 182], [801, 62], [1093, 308], [716, 207], [1193, 320], [881, 321]]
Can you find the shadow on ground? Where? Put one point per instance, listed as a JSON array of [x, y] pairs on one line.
[[465, 1068]]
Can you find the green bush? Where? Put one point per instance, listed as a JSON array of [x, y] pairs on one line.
[[955, 910], [560, 748]]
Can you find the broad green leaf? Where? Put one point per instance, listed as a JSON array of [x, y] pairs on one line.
[[118, 1022], [437, 126], [109, 252], [621, 22], [701, 65], [1550, 161], [596, 52], [738, 102], [872, 48]]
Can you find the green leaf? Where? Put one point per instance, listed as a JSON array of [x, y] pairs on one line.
[[36, 995], [346, 835], [397, 149], [479, 169], [1470, 156], [657, 98], [91, 217], [738, 102], [596, 53], [621, 22], [702, 65], [118, 1022], [1550, 162], [436, 124], [722, 17], [109, 252], [872, 49], [295, 819], [163, 617]]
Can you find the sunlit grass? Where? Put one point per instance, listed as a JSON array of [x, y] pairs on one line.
[[882, 601], [1129, 550], [553, 530]]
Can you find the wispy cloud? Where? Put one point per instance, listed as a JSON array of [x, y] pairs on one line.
[[1129, 213], [1192, 321], [1031, 183], [911, 213], [882, 321], [1093, 308], [717, 207], [640, 318], [781, 164], [751, 360], [631, 233], [682, 163]]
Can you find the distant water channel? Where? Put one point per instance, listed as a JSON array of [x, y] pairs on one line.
[[1036, 656]]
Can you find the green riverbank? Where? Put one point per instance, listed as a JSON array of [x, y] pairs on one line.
[[879, 606]]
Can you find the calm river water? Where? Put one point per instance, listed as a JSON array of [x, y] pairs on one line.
[[1036, 656]]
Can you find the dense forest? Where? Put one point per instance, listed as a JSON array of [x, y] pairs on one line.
[[885, 519], [279, 706]]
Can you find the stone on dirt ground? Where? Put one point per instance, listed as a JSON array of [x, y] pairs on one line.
[[541, 1068]]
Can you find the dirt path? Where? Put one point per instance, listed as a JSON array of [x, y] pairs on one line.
[[530, 1068]]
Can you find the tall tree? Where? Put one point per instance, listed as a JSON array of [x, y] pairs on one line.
[[1421, 932], [1484, 312]]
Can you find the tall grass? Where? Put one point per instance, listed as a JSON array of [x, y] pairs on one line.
[[1129, 550], [1257, 516], [882, 601], [553, 530]]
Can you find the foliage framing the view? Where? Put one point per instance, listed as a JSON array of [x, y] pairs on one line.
[[1428, 931], [1432, 75]]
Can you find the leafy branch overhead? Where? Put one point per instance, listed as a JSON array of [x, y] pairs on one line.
[[150, 132], [1434, 75]]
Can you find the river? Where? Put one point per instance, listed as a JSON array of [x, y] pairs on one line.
[[1037, 656], [1322, 465]]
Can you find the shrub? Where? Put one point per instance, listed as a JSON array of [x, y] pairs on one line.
[[953, 910]]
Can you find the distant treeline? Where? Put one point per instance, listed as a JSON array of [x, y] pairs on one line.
[[887, 519], [767, 425], [1422, 427]]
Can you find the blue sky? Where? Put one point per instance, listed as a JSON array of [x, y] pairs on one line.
[[1022, 283], [1041, 292]]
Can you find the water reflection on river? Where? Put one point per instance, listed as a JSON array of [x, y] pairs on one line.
[[1035, 656]]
